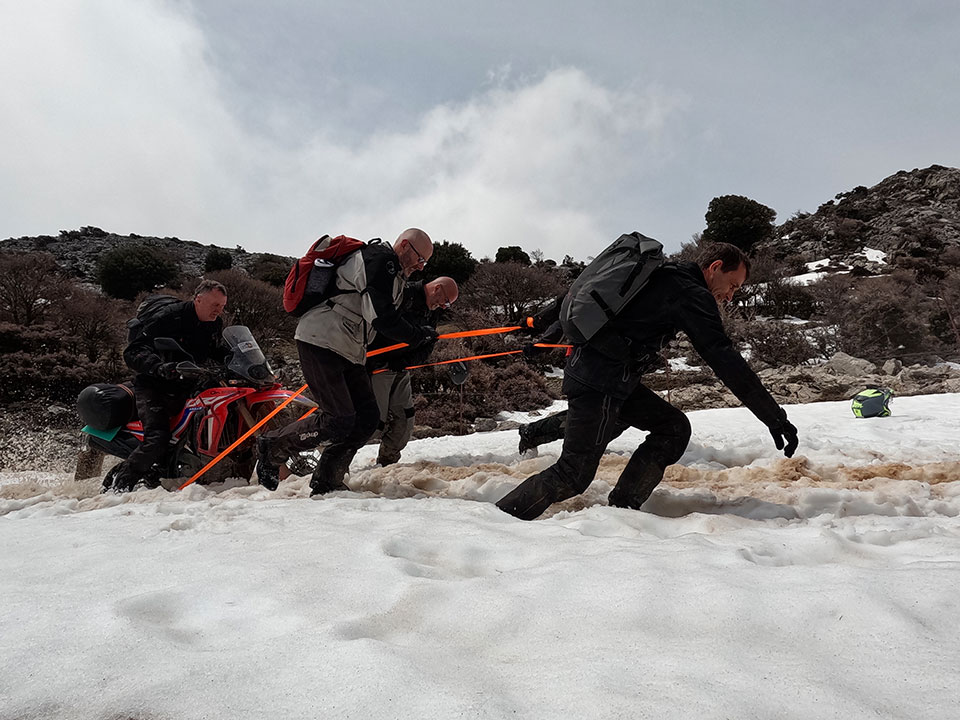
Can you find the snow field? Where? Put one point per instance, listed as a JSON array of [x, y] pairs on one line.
[[750, 587]]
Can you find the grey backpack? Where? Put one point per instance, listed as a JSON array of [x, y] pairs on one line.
[[607, 284]]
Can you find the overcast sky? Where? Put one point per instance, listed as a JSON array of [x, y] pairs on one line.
[[552, 125]]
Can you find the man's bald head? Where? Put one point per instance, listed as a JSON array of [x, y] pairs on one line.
[[441, 293], [414, 248]]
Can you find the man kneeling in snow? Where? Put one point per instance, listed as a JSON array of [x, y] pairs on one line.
[[602, 382]]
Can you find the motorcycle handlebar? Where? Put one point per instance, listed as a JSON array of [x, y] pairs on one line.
[[190, 371]]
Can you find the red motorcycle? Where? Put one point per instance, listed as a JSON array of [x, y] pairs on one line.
[[246, 391]]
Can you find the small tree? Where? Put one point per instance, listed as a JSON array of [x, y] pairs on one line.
[[450, 260], [738, 220], [217, 259], [128, 270], [512, 253]]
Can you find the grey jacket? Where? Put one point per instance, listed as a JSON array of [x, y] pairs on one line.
[[369, 290]]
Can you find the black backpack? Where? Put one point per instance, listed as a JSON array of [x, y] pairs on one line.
[[607, 284], [152, 308]]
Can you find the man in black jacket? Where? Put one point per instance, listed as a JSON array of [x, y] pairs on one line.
[[421, 306], [602, 382], [159, 390], [332, 341]]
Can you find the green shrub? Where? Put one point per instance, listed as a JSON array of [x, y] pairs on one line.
[[217, 259], [271, 269], [128, 270]]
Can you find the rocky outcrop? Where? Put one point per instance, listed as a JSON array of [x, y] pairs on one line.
[[911, 214], [838, 379], [77, 251]]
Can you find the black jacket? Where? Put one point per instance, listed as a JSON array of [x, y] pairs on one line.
[[392, 324], [414, 310], [676, 298], [546, 323], [202, 340]]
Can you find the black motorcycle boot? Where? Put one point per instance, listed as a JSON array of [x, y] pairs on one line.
[[268, 474], [529, 499], [124, 479], [151, 480], [385, 458], [636, 484], [328, 476], [526, 441]]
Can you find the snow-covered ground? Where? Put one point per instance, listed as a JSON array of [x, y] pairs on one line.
[[816, 269], [826, 586]]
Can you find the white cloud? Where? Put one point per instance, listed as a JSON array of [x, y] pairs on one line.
[[116, 118], [112, 118], [524, 165]]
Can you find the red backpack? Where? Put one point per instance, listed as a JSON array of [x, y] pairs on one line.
[[311, 279]]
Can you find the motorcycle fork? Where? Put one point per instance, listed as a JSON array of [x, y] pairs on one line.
[[246, 415]]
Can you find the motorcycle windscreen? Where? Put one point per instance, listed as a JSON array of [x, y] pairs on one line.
[[247, 359]]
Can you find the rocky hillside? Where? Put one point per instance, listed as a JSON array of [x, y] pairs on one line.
[[907, 215], [77, 251]]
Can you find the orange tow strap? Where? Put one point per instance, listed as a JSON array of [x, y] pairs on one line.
[[247, 434], [308, 413], [465, 359], [473, 357], [447, 336]]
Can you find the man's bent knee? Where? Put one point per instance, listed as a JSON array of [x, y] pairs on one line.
[[339, 428], [669, 441]]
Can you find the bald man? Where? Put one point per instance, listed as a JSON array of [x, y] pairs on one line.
[[332, 341], [422, 305]]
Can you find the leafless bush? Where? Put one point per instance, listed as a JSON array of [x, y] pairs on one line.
[[491, 387], [29, 282], [95, 324], [771, 343], [510, 291], [256, 304], [877, 318], [779, 299]]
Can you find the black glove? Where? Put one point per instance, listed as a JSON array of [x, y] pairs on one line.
[[168, 371], [429, 337], [531, 351], [397, 364], [785, 437]]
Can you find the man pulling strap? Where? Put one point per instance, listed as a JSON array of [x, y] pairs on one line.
[[602, 382], [332, 340]]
